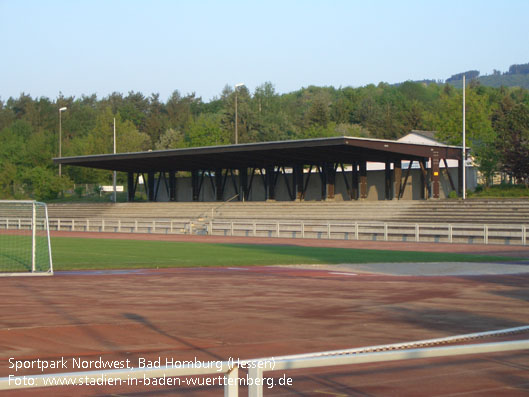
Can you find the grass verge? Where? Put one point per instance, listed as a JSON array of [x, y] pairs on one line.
[[500, 191], [78, 253]]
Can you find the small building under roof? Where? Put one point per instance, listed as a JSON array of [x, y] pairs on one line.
[[317, 169]]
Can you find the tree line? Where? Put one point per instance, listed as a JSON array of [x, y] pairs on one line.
[[497, 125]]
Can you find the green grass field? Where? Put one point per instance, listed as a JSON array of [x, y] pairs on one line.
[[78, 253]]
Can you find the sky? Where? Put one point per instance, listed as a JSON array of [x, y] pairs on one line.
[[78, 47]]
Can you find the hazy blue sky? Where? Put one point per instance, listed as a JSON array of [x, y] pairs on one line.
[[85, 47]]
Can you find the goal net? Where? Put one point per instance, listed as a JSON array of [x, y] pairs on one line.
[[24, 238]]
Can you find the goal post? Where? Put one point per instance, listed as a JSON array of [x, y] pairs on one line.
[[25, 247]]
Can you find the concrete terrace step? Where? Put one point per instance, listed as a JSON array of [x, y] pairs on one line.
[[512, 211]]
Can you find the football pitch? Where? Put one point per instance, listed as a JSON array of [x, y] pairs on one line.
[[210, 301], [83, 254]]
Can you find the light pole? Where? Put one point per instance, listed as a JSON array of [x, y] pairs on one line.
[[464, 144], [114, 194], [60, 136], [236, 132]]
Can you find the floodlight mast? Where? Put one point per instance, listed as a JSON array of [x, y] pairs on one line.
[[114, 194], [60, 136], [464, 146], [236, 132]]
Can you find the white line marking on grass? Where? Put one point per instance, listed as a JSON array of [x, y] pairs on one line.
[[236, 268]]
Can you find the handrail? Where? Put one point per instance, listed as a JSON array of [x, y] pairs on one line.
[[214, 209], [514, 234], [256, 374], [225, 202]]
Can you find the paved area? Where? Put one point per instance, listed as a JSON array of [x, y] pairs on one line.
[[427, 268]]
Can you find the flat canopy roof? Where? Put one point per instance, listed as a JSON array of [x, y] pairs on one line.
[[259, 155]]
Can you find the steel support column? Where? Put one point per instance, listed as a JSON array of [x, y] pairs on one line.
[[172, 186], [131, 186], [424, 180], [243, 184], [195, 182], [452, 186], [323, 179], [405, 183], [460, 169], [250, 184], [306, 183], [219, 186], [435, 174], [271, 183], [330, 180], [290, 189], [347, 185], [150, 184], [363, 179], [354, 186], [397, 175], [161, 177], [387, 181], [298, 181]]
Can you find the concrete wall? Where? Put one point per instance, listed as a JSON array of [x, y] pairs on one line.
[[375, 186]]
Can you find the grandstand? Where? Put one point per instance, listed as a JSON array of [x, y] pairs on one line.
[[282, 170], [511, 211]]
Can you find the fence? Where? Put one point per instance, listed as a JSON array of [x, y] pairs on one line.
[[256, 367], [256, 390], [375, 231]]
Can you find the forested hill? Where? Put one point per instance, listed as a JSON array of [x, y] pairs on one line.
[[497, 121], [516, 76], [510, 80]]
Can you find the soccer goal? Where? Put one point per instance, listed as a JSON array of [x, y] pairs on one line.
[[24, 238]]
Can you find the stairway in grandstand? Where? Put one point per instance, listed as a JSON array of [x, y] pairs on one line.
[[507, 211]]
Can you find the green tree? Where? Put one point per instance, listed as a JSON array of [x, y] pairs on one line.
[[513, 130], [480, 136], [318, 113], [134, 108], [101, 139], [8, 178], [181, 110], [156, 120], [170, 139], [29, 127], [320, 131], [44, 183], [271, 121], [206, 131], [38, 150], [246, 119]]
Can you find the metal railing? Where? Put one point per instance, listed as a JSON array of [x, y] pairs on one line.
[[210, 213], [256, 389], [374, 231]]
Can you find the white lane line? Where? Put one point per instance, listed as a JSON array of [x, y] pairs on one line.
[[344, 274]]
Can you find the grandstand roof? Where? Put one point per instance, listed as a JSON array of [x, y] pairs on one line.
[[284, 153]]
